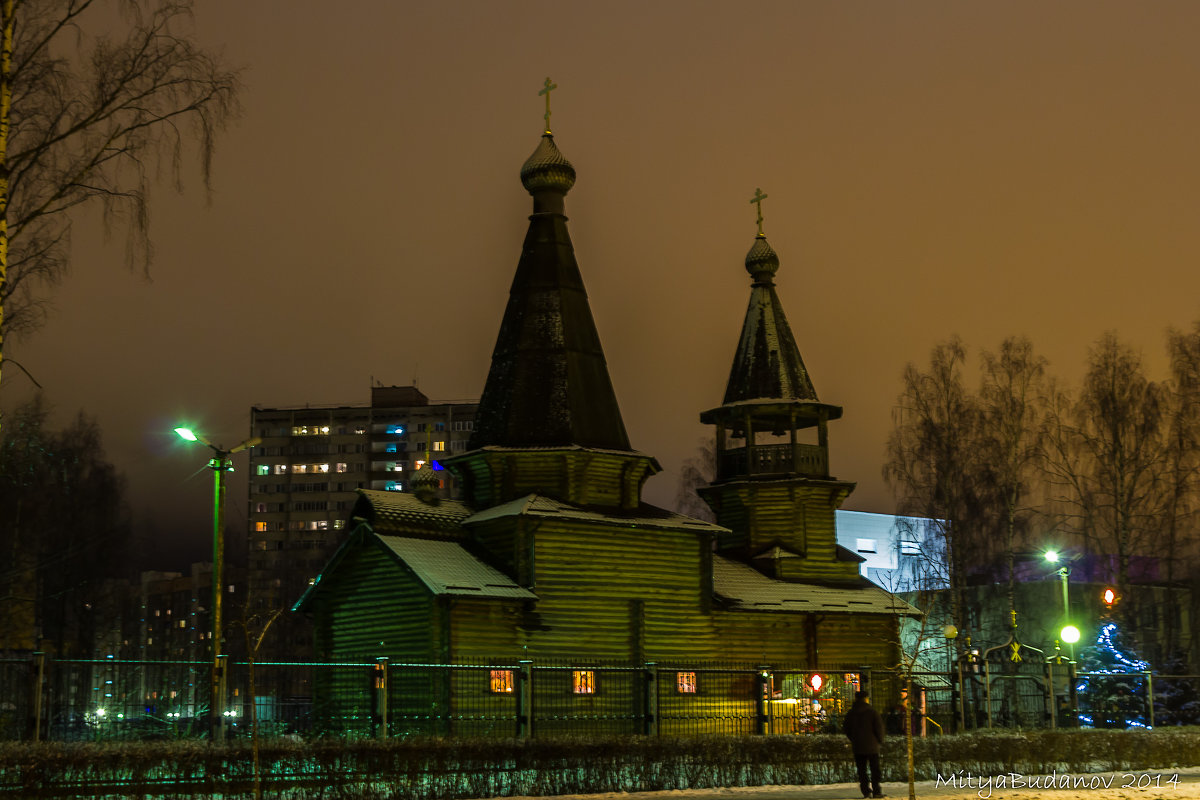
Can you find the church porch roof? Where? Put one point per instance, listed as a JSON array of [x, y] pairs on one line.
[[447, 568], [444, 567]]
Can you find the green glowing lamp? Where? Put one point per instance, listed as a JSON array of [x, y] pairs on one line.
[[1070, 634], [186, 433], [1051, 555]]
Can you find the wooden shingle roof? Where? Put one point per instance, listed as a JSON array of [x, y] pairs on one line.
[[767, 364], [399, 512], [548, 383]]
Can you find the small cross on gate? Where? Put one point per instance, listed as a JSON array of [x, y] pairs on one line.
[[546, 90], [757, 200]]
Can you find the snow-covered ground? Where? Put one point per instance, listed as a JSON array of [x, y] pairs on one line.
[[1163, 784]]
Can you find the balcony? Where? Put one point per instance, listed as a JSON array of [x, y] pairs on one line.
[[774, 459]]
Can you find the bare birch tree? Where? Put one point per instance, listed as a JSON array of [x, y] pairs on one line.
[[1012, 398], [932, 463], [1107, 453], [87, 119]]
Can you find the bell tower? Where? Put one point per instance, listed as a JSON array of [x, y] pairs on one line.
[[773, 488]]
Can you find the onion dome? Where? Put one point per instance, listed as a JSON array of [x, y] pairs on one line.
[[761, 261], [547, 169], [424, 484]]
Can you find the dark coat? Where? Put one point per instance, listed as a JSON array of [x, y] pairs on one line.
[[864, 727]]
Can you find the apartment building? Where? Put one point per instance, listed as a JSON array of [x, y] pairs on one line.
[[305, 474]]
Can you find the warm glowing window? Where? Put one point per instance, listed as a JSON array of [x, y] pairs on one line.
[[342, 468], [502, 680], [583, 681], [281, 469], [300, 468], [439, 445], [260, 526], [685, 682]]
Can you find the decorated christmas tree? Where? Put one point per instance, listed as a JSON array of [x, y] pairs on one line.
[[1116, 685]]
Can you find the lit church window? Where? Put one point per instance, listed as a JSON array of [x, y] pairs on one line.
[[583, 681], [502, 680]]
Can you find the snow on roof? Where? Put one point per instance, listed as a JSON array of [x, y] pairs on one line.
[[645, 516], [750, 590], [446, 568]]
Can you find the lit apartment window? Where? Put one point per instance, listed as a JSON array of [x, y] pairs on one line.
[[338, 524], [583, 681], [360, 430], [439, 446], [299, 469], [865, 545], [321, 467], [501, 680], [281, 469], [342, 468], [264, 469], [310, 430], [261, 527], [685, 682]]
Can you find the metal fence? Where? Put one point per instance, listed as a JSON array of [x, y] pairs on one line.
[[78, 699]]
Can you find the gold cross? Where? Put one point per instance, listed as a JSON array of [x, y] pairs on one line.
[[757, 200], [546, 90]]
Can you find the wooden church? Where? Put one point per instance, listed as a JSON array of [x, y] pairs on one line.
[[552, 556]]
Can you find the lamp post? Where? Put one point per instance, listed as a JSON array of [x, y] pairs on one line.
[[219, 464], [1064, 571], [950, 632], [1069, 635]]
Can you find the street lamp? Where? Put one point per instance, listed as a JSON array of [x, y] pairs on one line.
[[219, 464], [1068, 634], [1064, 571]]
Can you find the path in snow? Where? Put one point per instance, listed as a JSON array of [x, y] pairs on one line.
[[1154, 785]]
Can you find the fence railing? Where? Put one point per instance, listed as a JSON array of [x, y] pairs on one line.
[[81, 699]]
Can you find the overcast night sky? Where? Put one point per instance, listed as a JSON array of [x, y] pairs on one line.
[[933, 168]]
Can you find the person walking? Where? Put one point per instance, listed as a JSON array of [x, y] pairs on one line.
[[864, 728]]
